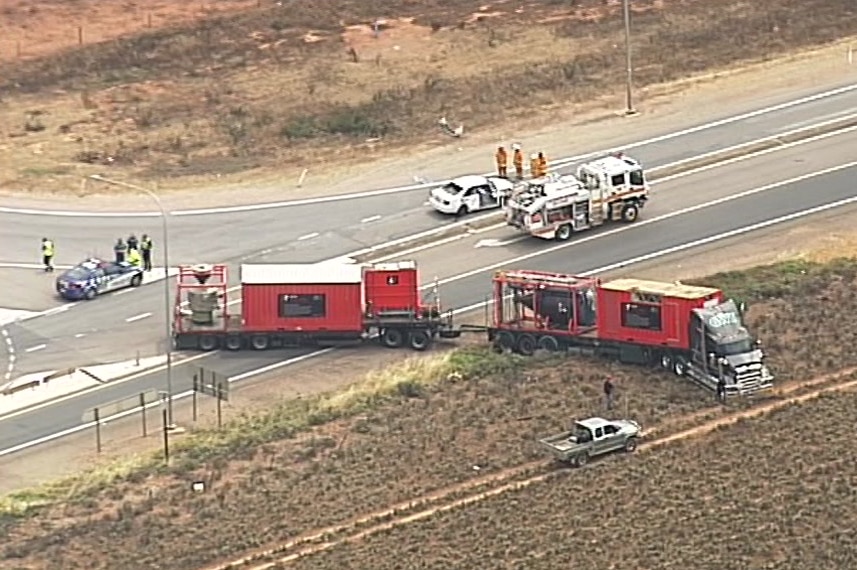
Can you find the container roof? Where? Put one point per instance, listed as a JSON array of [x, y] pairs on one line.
[[301, 273], [676, 290]]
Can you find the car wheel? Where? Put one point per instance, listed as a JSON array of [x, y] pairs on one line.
[[90, 294], [136, 281], [462, 211]]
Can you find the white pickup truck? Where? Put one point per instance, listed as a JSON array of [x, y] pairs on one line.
[[593, 437]]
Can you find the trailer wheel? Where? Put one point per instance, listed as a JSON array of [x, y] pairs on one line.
[[392, 338], [666, 362], [503, 342], [208, 342], [630, 213], [563, 232], [631, 445], [526, 345], [232, 342], [260, 342], [548, 344], [679, 367], [419, 340]]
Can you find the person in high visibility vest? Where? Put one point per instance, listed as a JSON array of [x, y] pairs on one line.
[[146, 250], [134, 257], [534, 166], [543, 164], [48, 254], [502, 161], [119, 250], [518, 161]]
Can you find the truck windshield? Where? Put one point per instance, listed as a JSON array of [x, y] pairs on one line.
[[636, 178], [453, 188], [736, 347]]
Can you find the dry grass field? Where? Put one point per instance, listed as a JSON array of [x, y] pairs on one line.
[[168, 90], [419, 445]]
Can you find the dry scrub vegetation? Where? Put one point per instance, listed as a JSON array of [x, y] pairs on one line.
[[446, 420], [298, 82]]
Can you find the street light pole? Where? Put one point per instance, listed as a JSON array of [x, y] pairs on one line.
[[629, 69], [167, 291]]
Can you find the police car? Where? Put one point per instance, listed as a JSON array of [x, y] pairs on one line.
[[470, 193], [93, 277]]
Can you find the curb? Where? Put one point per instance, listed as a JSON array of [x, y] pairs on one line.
[[461, 229]]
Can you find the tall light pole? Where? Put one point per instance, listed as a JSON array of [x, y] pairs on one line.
[[167, 301], [629, 69]]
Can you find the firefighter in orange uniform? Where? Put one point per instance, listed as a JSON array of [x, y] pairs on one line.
[[534, 166], [502, 161], [518, 161], [543, 164]]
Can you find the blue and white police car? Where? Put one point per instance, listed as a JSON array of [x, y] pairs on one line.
[[93, 277]]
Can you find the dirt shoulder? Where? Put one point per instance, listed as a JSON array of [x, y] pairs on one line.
[[821, 239]]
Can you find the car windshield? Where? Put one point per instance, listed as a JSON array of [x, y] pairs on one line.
[[453, 188], [742, 346], [77, 273]]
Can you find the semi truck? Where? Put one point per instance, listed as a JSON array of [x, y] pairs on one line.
[[612, 188], [692, 331]]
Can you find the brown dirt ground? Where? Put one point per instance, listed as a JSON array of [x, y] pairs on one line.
[[295, 485], [225, 110]]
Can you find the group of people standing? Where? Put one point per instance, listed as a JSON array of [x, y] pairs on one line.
[[538, 162], [134, 251]]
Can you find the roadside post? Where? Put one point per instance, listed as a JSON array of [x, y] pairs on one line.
[[97, 430], [216, 387], [118, 409]]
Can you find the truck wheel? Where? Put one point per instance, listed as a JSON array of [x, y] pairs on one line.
[[631, 445], [666, 362], [259, 342], [630, 213], [419, 340], [392, 338], [581, 460], [232, 342], [526, 345], [679, 367], [548, 344], [503, 342], [563, 232], [207, 342], [136, 281]]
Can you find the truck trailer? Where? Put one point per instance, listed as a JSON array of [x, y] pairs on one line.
[[690, 330], [693, 331], [290, 305]]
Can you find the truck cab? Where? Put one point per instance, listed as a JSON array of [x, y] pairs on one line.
[[619, 179], [722, 347]]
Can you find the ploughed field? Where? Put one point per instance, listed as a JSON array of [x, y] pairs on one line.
[[307, 466], [175, 89]]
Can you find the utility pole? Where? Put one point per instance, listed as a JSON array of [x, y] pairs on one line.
[[629, 69]]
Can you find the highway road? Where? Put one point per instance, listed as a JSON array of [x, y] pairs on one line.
[[694, 207]]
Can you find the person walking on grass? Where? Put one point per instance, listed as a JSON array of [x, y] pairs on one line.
[[609, 394]]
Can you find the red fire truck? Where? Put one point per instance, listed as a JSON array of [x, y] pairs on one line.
[[322, 304], [693, 331]]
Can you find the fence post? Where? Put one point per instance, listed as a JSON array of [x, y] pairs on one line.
[[143, 412], [219, 406], [193, 397], [166, 436], [80, 35], [97, 430]]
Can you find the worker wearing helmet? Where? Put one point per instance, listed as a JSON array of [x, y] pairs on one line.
[[501, 158], [518, 161], [48, 254], [543, 164], [534, 166]]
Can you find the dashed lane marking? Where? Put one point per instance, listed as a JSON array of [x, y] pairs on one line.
[[308, 236], [370, 219], [36, 348], [139, 317]]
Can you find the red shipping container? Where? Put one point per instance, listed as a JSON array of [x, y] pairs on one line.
[[392, 287], [650, 312], [302, 297]]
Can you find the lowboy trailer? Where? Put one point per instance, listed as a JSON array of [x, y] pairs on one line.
[[690, 330]]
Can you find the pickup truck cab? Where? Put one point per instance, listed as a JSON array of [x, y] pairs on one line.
[[592, 437]]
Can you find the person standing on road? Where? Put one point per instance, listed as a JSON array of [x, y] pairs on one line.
[[132, 242], [502, 161], [543, 164], [119, 250], [721, 390], [534, 166], [48, 254], [518, 161], [134, 257], [146, 250], [609, 393]]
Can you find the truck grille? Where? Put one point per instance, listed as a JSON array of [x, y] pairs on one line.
[[751, 378]]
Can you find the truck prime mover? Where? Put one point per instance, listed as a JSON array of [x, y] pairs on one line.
[[693, 331]]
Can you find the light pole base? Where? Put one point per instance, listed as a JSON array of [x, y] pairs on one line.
[[173, 428], [630, 112]]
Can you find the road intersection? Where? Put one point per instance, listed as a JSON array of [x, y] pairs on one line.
[[110, 330]]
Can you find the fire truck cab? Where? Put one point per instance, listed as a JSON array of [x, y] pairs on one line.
[[612, 188]]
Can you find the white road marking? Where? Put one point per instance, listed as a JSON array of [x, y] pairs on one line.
[[399, 189], [308, 236], [374, 218], [12, 265], [10, 350], [123, 291], [35, 348], [499, 242], [459, 311], [139, 317], [79, 335], [55, 310]]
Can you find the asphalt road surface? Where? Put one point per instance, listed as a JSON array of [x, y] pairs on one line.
[[96, 332]]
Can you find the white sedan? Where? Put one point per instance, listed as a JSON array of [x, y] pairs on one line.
[[470, 193]]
